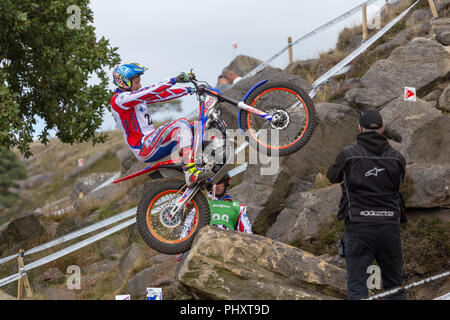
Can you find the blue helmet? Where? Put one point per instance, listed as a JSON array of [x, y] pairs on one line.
[[123, 74]]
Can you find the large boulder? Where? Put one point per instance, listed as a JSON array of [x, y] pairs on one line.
[[23, 232], [418, 64], [441, 28], [159, 275], [422, 129], [265, 194], [131, 259], [418, 17], [233, 265], [337, 128], [242, 65], [427, 186], [304, 212], [86, 184], [38, 179]]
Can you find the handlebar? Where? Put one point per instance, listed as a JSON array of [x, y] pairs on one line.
[[200, 88]]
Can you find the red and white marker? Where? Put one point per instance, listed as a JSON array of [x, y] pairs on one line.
[[410, 94]]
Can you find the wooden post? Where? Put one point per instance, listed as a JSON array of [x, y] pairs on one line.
[[364, 22], [387, 9], [291, 58], [433, 8], [23, 281], [325, 92]]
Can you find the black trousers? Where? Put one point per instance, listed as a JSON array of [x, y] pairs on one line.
[[363, 244]]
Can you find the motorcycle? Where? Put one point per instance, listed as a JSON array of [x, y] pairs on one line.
[[280, 108]]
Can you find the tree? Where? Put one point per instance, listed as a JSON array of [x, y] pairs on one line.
[[10, 170], [48, 52]]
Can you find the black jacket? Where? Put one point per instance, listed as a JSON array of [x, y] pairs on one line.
[[371, 172]]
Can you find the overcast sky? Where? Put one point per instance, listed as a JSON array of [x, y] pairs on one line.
[[174, 36]]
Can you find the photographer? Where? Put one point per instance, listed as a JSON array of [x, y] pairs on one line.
[[371, 173]]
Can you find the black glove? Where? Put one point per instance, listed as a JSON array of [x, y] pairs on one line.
[[183, 77]]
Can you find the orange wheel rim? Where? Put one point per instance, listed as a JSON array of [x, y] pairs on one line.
[[299, 136], [154, 232]]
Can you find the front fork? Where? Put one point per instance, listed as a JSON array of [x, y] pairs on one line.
[[187, 195]]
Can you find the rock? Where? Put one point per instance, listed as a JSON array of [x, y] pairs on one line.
[[418, 17], [304, 212], [230, 265], [21, 233], [100, 266], [87, 184], [50, 277], [265, 195], [158, 276], [399, 40], [59, 294], [337, 128], [109, 249], [262, 195], [418, 64], [444, 100], [123, 153], [70, 224], [421, 129], [336, 260], [441, 28], [442, 6], [242, 65], [433, 96], [39, 179], [427, 186], [131, 259], [106, 195]]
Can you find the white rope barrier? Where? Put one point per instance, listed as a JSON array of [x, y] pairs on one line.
[[409, 286], [66, 251], [75, 234]]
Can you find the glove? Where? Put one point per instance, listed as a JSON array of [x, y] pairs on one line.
[[183, 77], [191, 90]]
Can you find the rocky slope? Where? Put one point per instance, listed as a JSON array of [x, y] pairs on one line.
[[292, 254]]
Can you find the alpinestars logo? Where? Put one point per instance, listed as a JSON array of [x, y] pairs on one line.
[[377, 213], [374, 172]]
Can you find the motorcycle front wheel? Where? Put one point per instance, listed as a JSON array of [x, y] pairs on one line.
[[294, 118]]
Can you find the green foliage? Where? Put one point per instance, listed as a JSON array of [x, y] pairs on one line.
[[44, 71], [11, 170]]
